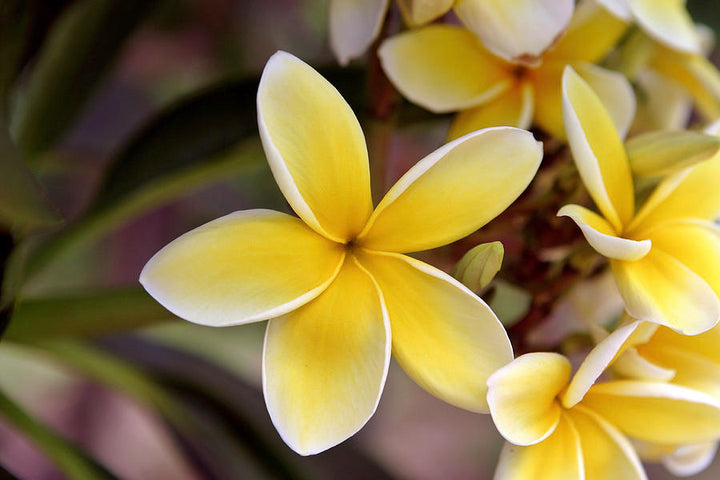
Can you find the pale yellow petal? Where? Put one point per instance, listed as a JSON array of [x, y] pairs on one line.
[[444, 337], [547, 83], [663, 103], [353, 26], [692, 369], [516, 30], [647, 218], [660, 153], [668, 22], [243, 267], [514, 107], [558, 457], [614, 91], [598, 150], [315, 147], [602, 237], [523, 396], [658, 288], [656, 412], [325, 364], [607, 454], [689, 460], [619, 8], [443, 68], [705, 344], [598, 360], [632, 364], [454, 191], [419, 12]]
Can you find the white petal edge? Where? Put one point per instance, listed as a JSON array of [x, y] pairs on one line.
[[353, 25]]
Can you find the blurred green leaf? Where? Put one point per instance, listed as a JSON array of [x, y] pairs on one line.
[[86, 314], [69, 459], [509, 302], [77, 53], [23, 204], [479, 265]]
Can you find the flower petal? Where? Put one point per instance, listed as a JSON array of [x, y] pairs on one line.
[[690, 460], [443, 68], [658, 288], [657, 154], [547, 83], [354, 24], [516, 30], [325, 364], [523, 396], [444, 337], [663, 103], [633, 365], [315, 147], [599, 359], [598, 151], [454, 191], [656, 412], [668, 22], [513, 107], [420, 12], [559, 457], [600, 235], [614, 91], [606, 451], [704, 345], [619, 8], [243, 267]]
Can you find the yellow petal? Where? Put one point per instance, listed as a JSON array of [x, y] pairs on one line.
[[598, 360], [598, 151], [705, 344], [690, 460], [354, 24], [454, 191], [663, 103], [656, 412], [658, 288], [547, 83], [443, 68], [240, 268], [444, 337], [614, 91], [516, 30], [668, 22], [592, 33], [419, 12], [656, 154], [606, 451], [513, 107], [558, 457], [619, 8], [602, 237], [633, 365], [315, 147], [325, 363], [523, 396]]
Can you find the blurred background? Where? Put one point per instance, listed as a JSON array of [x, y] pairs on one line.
[[138, 118]]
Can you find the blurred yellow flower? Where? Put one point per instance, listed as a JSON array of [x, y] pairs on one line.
[[333, 282], [666, 256]]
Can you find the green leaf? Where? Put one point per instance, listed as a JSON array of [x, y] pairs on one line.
[[86, 314], [69, 459], [77, 53], [509, 302], [23, 204], [479, 265]]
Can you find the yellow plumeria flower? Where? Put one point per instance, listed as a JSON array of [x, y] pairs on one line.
[[666, 256], [575, 429], [517, 30], [333, 282], [444, 68]]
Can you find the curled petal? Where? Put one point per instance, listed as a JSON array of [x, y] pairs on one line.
[[668, 22], [325, 363], [354, 24], [656, 154], [689, 460], [240, 268], [614, 91], [522, 396]]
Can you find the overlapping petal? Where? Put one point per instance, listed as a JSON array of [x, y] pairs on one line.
[[420, 12], [353, 26], [598, 150], [325, 363], [668, 22], [516, 30], [614, 91], [689, 460], [454, 191], [315, 147], [443, 68], [660, 289], [656, 412], [523, 396], [444, 337], [243, 267], [660, 153]]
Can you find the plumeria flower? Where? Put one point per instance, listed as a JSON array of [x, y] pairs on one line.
[[334, 283], [444, 68], [665, 257], [556, 427], [516, 30]]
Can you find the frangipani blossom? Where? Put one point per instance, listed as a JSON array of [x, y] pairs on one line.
[[444, 68], [516, 30], [334, 284], [666, 256], [575, 429]]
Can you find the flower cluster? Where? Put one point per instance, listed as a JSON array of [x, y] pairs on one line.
[[342, 295]]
